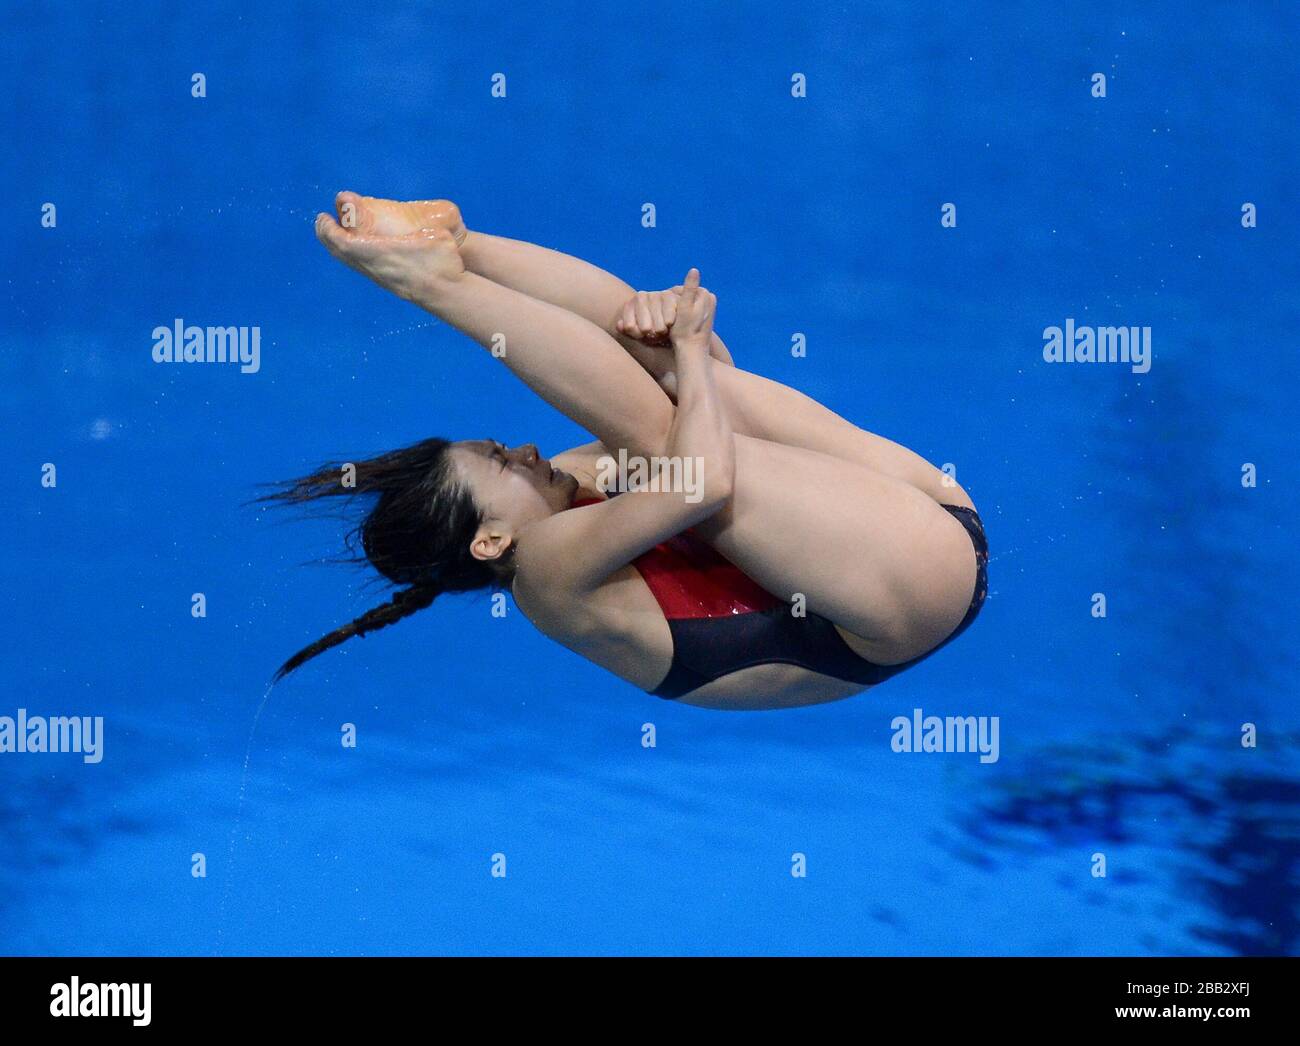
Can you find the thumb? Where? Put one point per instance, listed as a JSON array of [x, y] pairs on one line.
[[692, 281]]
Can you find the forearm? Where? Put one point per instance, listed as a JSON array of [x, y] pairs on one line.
[[702, 426], [565, 359]]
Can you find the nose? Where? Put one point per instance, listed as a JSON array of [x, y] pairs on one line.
[[530, 453]]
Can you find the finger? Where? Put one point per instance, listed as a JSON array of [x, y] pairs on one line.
[[657, 315], [669, 303], [692, 281], [643, 318], [627, 322]]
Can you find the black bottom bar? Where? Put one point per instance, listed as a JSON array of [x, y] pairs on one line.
[[342, 995]]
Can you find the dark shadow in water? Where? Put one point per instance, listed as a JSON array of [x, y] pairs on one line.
[[45, 824], [1262, 849], [55, 814], [1204, 577], [1232, 837]]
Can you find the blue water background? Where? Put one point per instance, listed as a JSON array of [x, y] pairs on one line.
[[477, 736]]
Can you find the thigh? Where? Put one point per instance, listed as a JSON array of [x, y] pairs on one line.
[[768, 410], [878, 557]]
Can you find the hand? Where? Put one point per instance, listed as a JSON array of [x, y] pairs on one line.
[[409, 265], [693, 324], [648, 315]]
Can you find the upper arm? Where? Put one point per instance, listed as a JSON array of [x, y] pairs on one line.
[[582, 462], [578, 549]]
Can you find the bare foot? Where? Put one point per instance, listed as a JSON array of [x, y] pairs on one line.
[[376, 216], [413, 266]]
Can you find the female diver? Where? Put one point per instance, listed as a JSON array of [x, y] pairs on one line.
[[814, 559]]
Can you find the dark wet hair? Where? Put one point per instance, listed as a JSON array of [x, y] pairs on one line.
[[417, 534]]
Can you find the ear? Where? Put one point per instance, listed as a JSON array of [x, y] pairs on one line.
[[490, 543]]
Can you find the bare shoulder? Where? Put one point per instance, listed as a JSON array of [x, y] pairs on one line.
[[542, 603], [545, 558], [543, 588]]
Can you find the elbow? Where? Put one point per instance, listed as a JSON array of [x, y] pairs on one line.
[[657, 438], [717, 480]]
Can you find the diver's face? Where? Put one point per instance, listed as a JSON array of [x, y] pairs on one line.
[[513, 486]]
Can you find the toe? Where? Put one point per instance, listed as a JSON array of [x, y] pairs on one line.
[[350, 209]]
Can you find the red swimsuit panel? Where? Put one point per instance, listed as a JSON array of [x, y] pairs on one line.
[[690, 579]]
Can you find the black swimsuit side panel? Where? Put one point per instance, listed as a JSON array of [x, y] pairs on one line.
[[705, 649]]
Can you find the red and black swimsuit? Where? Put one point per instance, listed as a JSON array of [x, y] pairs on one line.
[[721, 620]]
